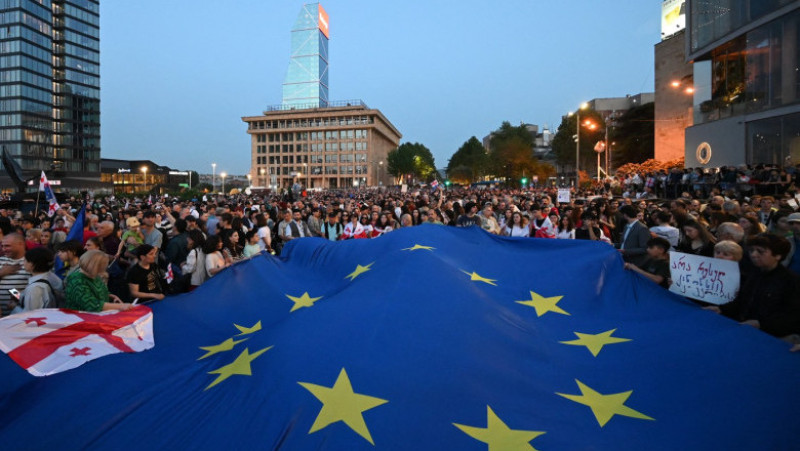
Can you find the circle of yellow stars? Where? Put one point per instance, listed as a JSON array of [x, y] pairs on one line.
[[340, 403]]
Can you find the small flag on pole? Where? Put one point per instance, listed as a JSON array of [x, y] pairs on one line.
[[434, 185], [44, 185], [170, 275]]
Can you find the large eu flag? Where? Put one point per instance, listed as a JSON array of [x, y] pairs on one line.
[[426, 338]]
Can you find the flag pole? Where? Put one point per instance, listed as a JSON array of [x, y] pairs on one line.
[[38, 193]]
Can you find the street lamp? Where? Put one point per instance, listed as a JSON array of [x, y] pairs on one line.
[[144, 171], [249, 180], [214, 177], [223, 175], [262, 175], [583, 106], [308, 176], [380, 170]]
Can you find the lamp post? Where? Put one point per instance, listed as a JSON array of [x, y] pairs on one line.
[[144, 171], [583, 106], [213, 177], [223, 175], [308, 176], [262, 175], [249, 180], [380, 171]]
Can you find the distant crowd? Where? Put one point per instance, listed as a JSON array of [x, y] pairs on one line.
[[137, 250]]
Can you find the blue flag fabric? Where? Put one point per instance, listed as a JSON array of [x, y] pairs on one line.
[[429, 337]]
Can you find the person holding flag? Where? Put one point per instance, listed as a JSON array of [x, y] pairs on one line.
[[44, 185]]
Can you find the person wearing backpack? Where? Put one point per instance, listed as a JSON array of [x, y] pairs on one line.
[[45, 289]]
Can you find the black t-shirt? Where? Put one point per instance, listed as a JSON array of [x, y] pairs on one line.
[[658, 268], [147, 279], [583, 234]]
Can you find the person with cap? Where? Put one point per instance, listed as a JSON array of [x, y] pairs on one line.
[[144, 280]]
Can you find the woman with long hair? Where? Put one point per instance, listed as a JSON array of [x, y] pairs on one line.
[[195, 263], [215, 260], [566, 228], [515, 226], [696, 240]]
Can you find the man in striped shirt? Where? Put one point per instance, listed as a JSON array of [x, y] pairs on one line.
[[12, 272]]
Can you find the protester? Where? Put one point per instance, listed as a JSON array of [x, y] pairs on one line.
[[44, 287], [656, 266], [195, 263], [215, 260], [144, 281], [85, 288], [13, 275]]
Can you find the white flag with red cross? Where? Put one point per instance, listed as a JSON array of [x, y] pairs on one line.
[[49, 341], [44, 185]]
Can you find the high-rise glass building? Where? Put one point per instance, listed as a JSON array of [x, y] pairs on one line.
[[50, 88], [306, 82], [746, 74]]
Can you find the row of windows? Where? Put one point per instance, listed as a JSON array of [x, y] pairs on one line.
[[289, 159], [80, 39], [85, 79], [16, 105], [314, 122], [81, 27], [16, 76], [80, 52], [18, 46], [19, 120], [85, 16], [74, 63], [37, 9], [27, 63], [315, 136], [89, 5], [319, 170], [25, 91], [16, 31], [302, 148]]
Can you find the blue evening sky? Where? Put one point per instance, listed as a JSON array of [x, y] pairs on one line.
[[178, 75]]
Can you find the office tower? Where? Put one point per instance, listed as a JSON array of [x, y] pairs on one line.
[[50, 88], [306, 82]]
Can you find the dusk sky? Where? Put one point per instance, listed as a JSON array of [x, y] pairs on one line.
[[178, 75]]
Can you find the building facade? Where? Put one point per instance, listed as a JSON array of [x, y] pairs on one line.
[[306, 82], [343, 145], [746, 64], [673, 97], [50, 88], [140, 176]]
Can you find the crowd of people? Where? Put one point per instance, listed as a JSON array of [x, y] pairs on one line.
[[139, 250]]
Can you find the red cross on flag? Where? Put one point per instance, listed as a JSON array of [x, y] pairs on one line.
[[50, 341]]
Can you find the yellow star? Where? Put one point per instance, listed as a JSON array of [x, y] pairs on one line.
[[605, 407], [359, 270], [303, 301], [247, 330], [419, 247], [473, 276], [226, 345], [240, 366], [498, 436], [595, 342], [544, 305], [340, 403]]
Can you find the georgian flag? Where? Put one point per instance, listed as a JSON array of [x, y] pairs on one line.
[[170, 275], [49, 341], [44, 185]]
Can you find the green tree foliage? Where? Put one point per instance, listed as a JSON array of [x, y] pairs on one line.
[[634, 135], [469, 163], [412, 159], [512, 157], [564, 140]]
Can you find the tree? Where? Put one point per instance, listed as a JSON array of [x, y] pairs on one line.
[[512, 157], [411, 159], [469, 162], [564, 141], [634, 135]]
